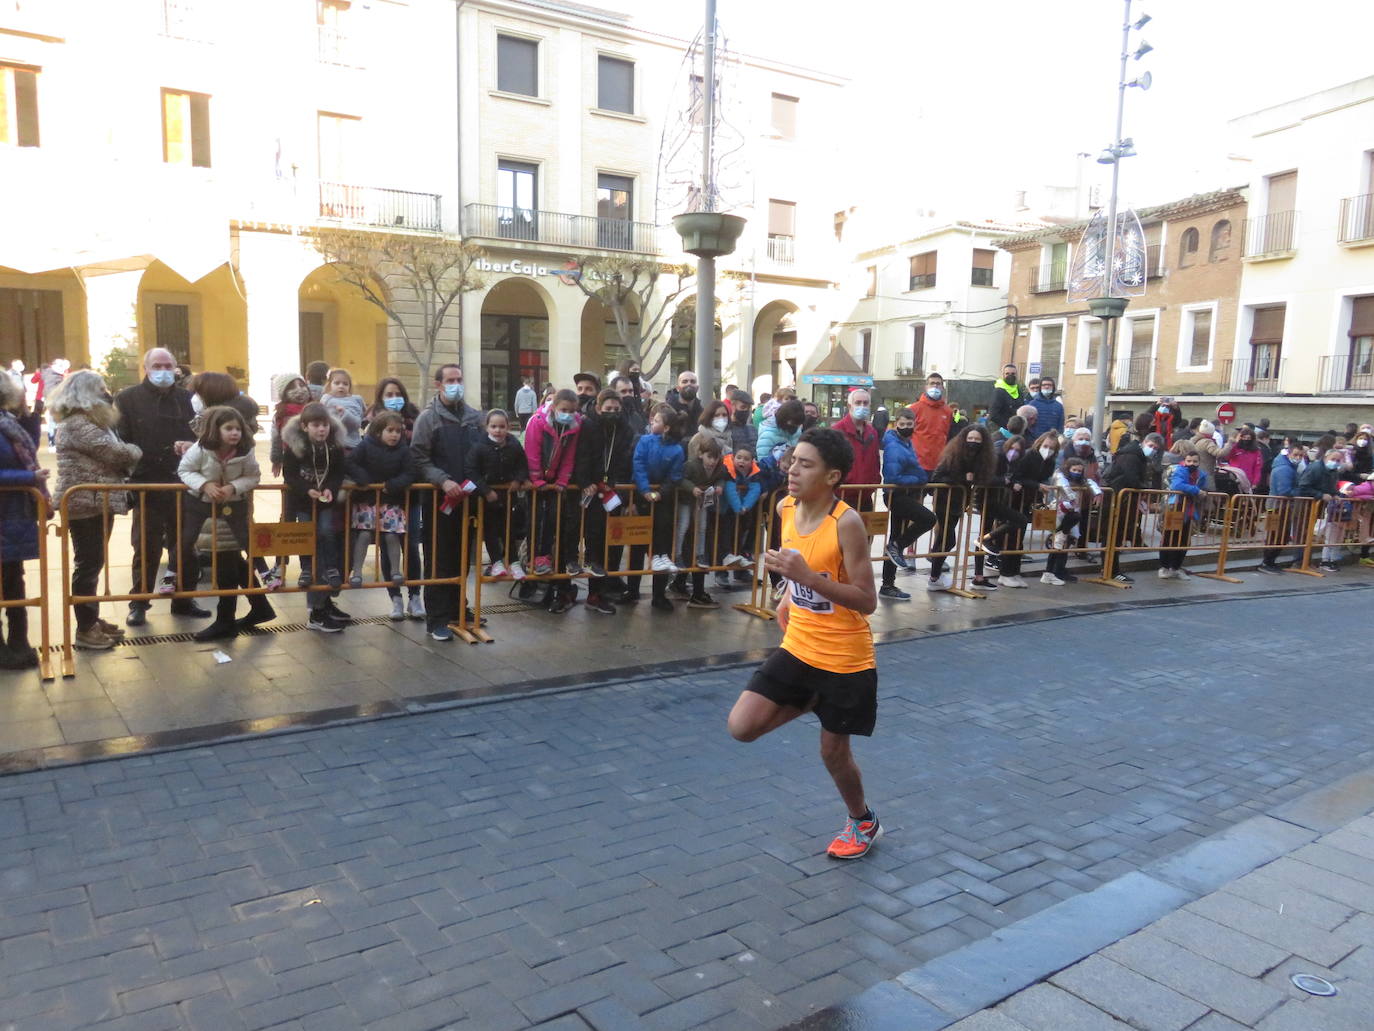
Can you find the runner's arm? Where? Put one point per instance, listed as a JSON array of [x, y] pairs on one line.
[[859, 594]]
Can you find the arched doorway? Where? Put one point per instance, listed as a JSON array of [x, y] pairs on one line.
[[338, 325], [204, 324], [682, 336], [602, 348], [515, 340], [775, 346]]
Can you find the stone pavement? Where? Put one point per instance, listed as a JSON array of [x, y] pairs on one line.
[[1226, 961], [611, 859]]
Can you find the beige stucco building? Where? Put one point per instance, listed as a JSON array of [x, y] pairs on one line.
[[173, 205]]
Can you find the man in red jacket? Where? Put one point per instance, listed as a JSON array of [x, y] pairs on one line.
[[934, 423], [864, 439]]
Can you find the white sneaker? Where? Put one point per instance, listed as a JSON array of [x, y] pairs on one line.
[[945, 582], [498, 571], [1182, 574], [744, 562], [416, 609], [730, 560], [1165, 574], [398, 609], [660, 564], [1051, 579], [168, 584], [1011, 581], [517, 571]]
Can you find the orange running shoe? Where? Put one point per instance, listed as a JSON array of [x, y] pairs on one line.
[[856, 839]]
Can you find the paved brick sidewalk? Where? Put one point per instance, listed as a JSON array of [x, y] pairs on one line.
[[1225, 961], [611, 859]]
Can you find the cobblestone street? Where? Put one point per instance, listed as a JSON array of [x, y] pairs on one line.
[[609, 858]]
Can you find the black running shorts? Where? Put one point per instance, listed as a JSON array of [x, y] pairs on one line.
[[846, 703]]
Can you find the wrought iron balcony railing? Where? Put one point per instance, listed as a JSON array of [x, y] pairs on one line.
[[1271, 235], [384, 208], [1344, 373], [491, 221], [1357, 219], [1252, 377], [1050, 278], [1132, 375], [782, 249]]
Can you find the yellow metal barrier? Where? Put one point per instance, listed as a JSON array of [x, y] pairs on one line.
[[1093, 512], [1166, 522], [40, 601]]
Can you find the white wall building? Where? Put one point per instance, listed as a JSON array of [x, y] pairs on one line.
[[934, 302], [164, 160], [1305, 327]]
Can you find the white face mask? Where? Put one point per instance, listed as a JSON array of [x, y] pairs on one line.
[[1148, 449], [197, 404], [1045, 452], [720, 423]]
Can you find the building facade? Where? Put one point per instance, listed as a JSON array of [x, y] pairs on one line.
[[935, 302], [173, 205], [1303, 348], [1173, 339]]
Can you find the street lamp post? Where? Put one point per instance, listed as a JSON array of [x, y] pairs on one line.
[[1106, 307]]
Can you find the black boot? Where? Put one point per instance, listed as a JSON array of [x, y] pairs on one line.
[[216, 631], [259, 611]]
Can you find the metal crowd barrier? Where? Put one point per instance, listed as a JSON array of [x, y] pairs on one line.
[[279, 540], [1258, 522], [40, 601], [1153, 520], [1094, 508]]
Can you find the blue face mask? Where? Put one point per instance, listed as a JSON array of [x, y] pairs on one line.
[[860, 413], [1148, 451], [563, 418], [453, 391], [394, 404], [1330, 465], [161, 377], [934, 393]]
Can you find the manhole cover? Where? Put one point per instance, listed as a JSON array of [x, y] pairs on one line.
[[1313, 985]]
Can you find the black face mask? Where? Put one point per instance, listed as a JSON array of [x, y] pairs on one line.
[[610, 418], [688, 393], [740, 417], [629, 404], [810, 421], [905, 431], [1010, 377]]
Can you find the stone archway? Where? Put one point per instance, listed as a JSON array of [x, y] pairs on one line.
[[602, 350], [775, 347], [517, 322], [204, 324], [338, 325]]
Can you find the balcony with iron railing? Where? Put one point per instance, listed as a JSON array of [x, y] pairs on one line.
[[493, 222], [1246, 375], [1345, 374], [905, 364], [1133, 375], [381, 207], [337, 47], [924, 281], [1357, 219], [1271, 236], [1050, 278], [782, 250]]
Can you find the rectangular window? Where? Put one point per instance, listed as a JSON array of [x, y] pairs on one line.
[[173, 327], [338, 149], [1051, 351], [922, 271], [1359, 374], [614, 211], [785, 116], [615, 84], [1200, 339], [185, 128], [982, 266], [517, 194], [1091, 336], [864, 346], [1266, 348], [782, 217], [517, 65], [918, 347], [18, 105], [871, 274]]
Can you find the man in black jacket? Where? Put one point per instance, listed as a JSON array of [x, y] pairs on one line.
[[743, 432], [684, 398], [444, 434], [1006, 397], [156, 415], [605, 457], [1130, 470]]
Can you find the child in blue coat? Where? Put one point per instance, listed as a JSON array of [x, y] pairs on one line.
[[743, 488], [658, 462]]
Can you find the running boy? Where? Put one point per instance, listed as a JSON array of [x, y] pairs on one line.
[[826, 662]]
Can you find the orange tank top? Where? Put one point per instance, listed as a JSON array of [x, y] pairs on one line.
[[819, 632]]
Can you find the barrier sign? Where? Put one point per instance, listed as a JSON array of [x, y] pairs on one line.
[[268, 540], [875, 523], [631, 530]]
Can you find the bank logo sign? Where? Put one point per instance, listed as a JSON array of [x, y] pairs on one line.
[[568, 275]]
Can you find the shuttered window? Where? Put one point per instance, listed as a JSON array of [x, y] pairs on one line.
[[185, 128], [615, 85], [1362, 317], [1200, 349], [782, 218], [18, 105], [982, 266], [1268, 325], [785, 116], [922, 271], [517, 65]]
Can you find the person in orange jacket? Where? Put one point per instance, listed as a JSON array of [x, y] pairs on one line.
[[934, 423]]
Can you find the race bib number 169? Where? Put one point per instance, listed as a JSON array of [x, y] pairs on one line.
[[806, 598]]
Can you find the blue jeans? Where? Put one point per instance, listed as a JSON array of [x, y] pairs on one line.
[[328, 548]]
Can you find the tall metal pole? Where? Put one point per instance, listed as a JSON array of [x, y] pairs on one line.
[[1104, 355], [704, 351]]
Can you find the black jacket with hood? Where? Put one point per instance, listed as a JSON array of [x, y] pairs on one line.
[[308, 466]]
